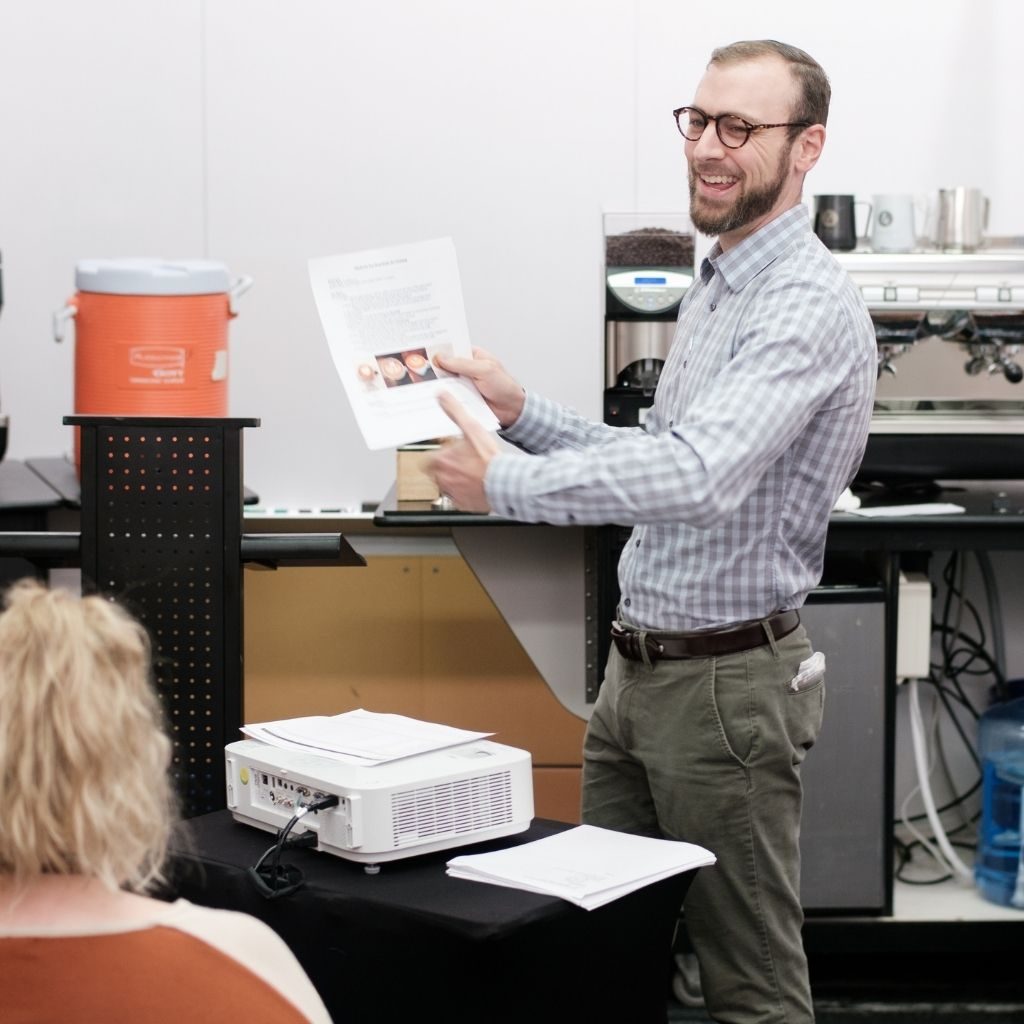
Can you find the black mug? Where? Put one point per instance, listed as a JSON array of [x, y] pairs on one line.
[[834, 222]]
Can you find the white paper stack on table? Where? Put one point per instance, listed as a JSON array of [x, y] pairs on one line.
[[588, 866]]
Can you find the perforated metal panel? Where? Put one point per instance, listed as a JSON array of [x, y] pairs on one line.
[[161, 533]]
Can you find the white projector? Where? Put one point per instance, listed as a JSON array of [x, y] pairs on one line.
[[435, 801]]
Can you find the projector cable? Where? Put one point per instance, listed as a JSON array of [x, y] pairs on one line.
[[275, 879]]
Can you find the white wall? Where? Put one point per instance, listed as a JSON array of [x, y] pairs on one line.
[[261, 133]]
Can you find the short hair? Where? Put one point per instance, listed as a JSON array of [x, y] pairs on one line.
[[84, 783], [812, 82]]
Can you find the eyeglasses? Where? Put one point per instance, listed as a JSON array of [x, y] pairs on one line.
[[731, 129]]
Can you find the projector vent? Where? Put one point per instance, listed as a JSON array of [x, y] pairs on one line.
[[451, 808]]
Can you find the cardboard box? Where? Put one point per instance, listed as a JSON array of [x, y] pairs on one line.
[[412, 483]]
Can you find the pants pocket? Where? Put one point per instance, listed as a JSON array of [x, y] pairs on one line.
[[733, 705], [805, 705]]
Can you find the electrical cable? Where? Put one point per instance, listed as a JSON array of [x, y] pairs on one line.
[[962, 658], [905, 849], [976, 653], [969, 746], [947, 773], [275, 879], [995, 611], [955, 802], [950, 857], [919, 838]]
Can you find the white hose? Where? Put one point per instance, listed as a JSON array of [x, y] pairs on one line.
[[917, 732]]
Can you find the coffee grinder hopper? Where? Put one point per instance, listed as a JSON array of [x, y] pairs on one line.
[[648, 269]]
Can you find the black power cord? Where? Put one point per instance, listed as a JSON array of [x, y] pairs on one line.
[[963, 657], [274, 880]]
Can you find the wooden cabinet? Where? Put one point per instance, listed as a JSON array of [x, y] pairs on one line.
[[416, 636]]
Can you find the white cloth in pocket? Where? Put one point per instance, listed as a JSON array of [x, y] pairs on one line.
[[809, 672]]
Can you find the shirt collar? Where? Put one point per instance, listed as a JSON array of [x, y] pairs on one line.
[[741, 264]]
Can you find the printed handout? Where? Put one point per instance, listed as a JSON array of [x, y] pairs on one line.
[[586, 865], [387, 313]]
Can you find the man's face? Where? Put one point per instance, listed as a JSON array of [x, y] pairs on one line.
[[733, 192], [748, 205]]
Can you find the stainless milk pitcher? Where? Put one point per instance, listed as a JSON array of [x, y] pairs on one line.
[[962, 219]]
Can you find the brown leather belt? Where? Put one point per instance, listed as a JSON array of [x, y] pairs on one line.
[[708, 644]]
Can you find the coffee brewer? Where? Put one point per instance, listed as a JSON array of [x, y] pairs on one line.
[[648, 269], [950, 398], [649, 266]]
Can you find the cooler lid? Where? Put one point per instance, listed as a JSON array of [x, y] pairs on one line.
[[139, 276]]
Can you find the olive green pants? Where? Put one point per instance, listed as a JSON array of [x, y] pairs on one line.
[[708, 751]]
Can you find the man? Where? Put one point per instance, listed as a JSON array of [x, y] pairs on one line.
[[712, 694]]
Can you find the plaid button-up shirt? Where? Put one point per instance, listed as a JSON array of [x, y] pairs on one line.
[[760, 419]]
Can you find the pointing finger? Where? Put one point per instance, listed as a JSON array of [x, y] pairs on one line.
[[481, 440]]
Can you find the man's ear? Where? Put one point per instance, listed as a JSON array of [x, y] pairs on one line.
[[808, 147]]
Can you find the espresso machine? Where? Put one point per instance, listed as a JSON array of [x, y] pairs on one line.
[[950, 397], [649, 261]]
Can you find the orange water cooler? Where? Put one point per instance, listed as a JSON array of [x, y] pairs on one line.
[[151, 337]]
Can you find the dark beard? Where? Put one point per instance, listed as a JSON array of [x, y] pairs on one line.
[[748, 208]]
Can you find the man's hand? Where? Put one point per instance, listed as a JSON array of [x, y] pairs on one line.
[[497, 387], [459, 467]]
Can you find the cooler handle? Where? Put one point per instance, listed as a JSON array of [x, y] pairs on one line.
[[238, 289], [61, 318]]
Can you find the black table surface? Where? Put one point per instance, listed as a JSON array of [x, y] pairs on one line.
[[992, 517], [394, 946], [21, 488]]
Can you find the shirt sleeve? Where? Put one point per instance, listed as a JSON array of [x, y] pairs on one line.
[[790, 364], [545, 426]]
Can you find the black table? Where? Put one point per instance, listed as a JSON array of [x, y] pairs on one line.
[[25, 502], [410, 943], [992, 520]]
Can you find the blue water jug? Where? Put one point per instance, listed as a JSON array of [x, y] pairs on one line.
[[999, 865]]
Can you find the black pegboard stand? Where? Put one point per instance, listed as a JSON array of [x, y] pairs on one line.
[[161, 532]]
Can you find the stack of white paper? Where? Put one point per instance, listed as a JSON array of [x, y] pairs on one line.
[[588, 866], [360, 737]]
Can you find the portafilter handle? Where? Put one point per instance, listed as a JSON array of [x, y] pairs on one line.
[[1011, 370]]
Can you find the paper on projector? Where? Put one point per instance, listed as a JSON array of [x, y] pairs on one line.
[[360, 737], [586, 865]]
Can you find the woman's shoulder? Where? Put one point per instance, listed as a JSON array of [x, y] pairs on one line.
[[251, 943]]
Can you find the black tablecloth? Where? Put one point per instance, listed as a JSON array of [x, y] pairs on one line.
[[411, 943]]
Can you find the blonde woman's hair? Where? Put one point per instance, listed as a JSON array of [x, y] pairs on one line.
[[84, 786]]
